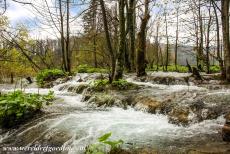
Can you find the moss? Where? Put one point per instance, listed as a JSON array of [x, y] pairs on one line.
[[89, 69], [78, 89], [179, 116], [102, 85], [123, 85], [49, 75], [102, 100], [99, 85]]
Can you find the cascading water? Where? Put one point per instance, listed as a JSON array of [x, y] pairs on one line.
[[70, 122]]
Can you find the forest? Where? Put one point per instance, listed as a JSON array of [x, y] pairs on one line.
[[114, 76]]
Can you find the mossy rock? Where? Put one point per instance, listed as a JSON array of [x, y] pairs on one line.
[[103, 85], [179, 116], [45, 77], [123, 85], [102, 100], [78, 88]]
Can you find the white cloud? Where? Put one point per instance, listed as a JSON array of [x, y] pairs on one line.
[[17, 13]]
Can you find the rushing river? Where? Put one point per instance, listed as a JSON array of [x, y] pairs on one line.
[[71, 123]]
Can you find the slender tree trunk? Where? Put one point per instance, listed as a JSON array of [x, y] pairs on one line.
[[200, 53], [225, 30], [132, 25], [208, 41], [219, 57], [141, 45], [109, 45], [62, 37], [121, 51], [68, 54], [167, 45], [127, 46], [94, 33], [157, 46], [177, 35]]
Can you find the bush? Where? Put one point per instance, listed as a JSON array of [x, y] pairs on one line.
[[215, 69], [48, 75], [17, 106], [89, 69]]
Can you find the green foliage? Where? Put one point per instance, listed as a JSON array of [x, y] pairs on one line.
[[100, 148], [48, 75], [123, 85], [215, 69], [89, 69], [99, 85], [17, 106], [171, 68]]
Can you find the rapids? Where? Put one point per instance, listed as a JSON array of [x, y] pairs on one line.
[[71, 123]]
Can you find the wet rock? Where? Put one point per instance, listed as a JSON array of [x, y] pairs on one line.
[[61, 80], [179, 116], [148, 104], [101, 100], [226, 129], [77, 88]]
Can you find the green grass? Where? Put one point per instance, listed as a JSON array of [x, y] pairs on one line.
[[48, 75], [17, 106], [89, 69]]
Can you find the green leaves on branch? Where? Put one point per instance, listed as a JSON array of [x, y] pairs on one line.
[[17, 106]]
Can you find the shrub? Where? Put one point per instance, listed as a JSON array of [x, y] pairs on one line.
[[100, 148], [17, 106], [215, 69], [48, 75], [89, 69]]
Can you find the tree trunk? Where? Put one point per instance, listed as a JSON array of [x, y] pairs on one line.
[[68, 54], [225, 29], [219, 57], [167, 45], [141, 44], [109, 45], [200, 50], [121, 51], [132, 25], [157, 46], [62, 37], [94, 33], [208, 41], [177, 34]]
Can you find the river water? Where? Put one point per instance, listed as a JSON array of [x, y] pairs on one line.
[[71, 123]]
